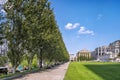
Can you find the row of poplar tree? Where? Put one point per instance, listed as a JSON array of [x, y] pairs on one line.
[[30, 29]]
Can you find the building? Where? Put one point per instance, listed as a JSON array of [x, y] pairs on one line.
[[93, 55], [103, 53], [106, 53], [105, 57], [72, 56], [83, 55], [115, 48], [101, 50]]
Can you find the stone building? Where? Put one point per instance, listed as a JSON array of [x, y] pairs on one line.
[[106, 53], [115, 48], [101, 50], [93, 55], [83, 55]]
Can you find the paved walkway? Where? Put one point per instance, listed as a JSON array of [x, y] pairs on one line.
[[56, 73]]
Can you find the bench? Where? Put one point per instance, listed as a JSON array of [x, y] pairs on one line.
[[3, 70]]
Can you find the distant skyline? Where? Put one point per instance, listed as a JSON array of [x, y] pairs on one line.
[[87, 24]]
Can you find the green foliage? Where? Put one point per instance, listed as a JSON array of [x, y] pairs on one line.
[[35, 62], [31, 29], [85, 57], [14, 32], [2, 23], [3, 60], [25, 62]]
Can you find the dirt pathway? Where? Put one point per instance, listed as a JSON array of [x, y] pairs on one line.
[[56, 73]]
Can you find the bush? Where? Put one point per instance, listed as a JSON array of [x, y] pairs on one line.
[[3, 60]]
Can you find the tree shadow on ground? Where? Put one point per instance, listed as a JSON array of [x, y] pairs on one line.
[[107, 71]]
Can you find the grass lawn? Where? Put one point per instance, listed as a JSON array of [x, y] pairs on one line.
[[93, 71]]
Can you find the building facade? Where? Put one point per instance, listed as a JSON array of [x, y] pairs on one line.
[[101, 50], [115, 48], [93, 55], [72, 57], [106, 53], [83, 55]]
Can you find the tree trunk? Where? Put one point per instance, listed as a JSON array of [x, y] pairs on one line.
[[29, 65], [41, 60], [14, 69], [40, 63]]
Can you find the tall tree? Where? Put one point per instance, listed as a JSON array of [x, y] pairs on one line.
[[32, 29], [2, 23], [14, 32]]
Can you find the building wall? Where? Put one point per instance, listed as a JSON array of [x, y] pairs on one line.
[[108, 52], [71, 57], [93, 55], [115, 47], [83, 55], [101, 50]]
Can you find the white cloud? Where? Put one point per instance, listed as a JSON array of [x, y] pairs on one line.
[[72, 26], [83, 30], [2, 10], [99, 16]]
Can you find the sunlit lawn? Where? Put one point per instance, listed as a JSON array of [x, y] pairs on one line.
[[93, 71]]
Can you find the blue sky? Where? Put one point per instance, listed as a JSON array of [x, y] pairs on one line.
[[2, 1], [87, 24]]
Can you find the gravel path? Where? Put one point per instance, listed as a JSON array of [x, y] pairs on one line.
[[56, 73]]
